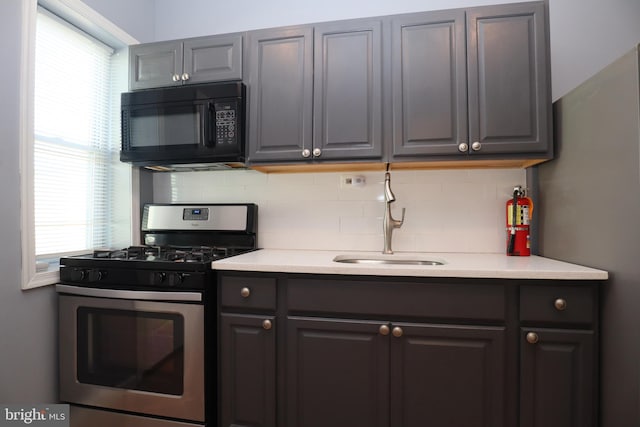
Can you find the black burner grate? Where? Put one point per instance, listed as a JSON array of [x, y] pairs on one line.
[[168, 253]]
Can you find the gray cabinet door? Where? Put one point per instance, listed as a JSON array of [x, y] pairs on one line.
[[337, 373], [247, 371], [348, 90], [155, 64], [509, 96], [558, 378], [212, 59], [447, 375], [280, 90], [429, 83]]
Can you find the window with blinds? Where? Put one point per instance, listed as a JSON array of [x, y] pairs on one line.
[[81, 190]]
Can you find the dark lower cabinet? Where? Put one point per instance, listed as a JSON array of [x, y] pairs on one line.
[[365, 373], [447, 375], [337, 373], [247, 371], [558, 378], [364, 351]]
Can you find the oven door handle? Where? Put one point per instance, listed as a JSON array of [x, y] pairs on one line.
[[129, 295]]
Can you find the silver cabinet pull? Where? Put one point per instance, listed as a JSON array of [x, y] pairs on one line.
[[266, 324], [397, 332], [532, 338], [476, 146], [175, 78], [463, 147], [384, 330], [185, 77], [317, 152], [306, 153], [560, 304], [245, 292]]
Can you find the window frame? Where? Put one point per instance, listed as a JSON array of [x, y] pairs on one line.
[[90, 21]]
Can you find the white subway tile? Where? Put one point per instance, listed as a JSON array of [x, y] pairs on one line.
[[446, 210]]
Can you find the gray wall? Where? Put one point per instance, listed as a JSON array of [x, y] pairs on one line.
[[27, 319], [135, 17], [586, 35]]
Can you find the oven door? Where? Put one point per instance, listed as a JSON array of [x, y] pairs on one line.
[[133, 355]]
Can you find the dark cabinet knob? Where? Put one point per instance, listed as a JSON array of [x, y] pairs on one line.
[[532, 338], [560, 304]]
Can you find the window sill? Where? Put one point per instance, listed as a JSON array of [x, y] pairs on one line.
[[45, 278]]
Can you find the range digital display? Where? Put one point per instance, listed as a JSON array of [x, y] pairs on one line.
[[195, 214]]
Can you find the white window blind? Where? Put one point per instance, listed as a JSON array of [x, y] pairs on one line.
[[81, 190]]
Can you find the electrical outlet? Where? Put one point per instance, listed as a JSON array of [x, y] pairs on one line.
[[352, 181]]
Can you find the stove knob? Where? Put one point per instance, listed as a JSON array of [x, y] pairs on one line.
[[158, 278], [176, 279], [179, 278], [95, 275], [78, 275]]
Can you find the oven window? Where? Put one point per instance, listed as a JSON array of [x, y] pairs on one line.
[[131, 349]]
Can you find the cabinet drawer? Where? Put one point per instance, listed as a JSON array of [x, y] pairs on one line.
[[397, 299], [248, 292], [558, 304]]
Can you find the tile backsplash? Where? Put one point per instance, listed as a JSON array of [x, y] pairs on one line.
[[446, 210]]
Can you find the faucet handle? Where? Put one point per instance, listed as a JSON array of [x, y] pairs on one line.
[[398, 223]]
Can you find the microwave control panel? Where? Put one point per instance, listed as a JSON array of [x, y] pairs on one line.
[[226, 123]]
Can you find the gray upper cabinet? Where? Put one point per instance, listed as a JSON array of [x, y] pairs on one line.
[[441, 85], [315, 93], [509, 91], [198, 60], [155, 64], [471, 82], [348, 90], [429, 74], [280, 91]]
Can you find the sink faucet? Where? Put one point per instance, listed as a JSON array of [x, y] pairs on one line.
[[389, 223]]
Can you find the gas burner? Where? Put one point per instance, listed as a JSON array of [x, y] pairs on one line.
[[199, 254], [145, 253]]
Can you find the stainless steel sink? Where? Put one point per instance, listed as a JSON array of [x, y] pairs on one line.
[[387, 259]]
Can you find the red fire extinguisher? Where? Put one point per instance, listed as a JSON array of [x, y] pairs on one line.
[[519, 211]]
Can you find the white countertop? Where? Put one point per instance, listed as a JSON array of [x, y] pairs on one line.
[[464, 265]]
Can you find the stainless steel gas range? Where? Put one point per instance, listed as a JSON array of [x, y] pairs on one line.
[[137, 326]]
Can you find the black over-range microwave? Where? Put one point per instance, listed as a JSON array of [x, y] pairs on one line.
[[195, 125]]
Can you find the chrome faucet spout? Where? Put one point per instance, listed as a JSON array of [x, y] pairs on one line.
[[388, 194], [389, 223]]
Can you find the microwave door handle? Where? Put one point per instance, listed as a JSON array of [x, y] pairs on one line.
[[209, 125]]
